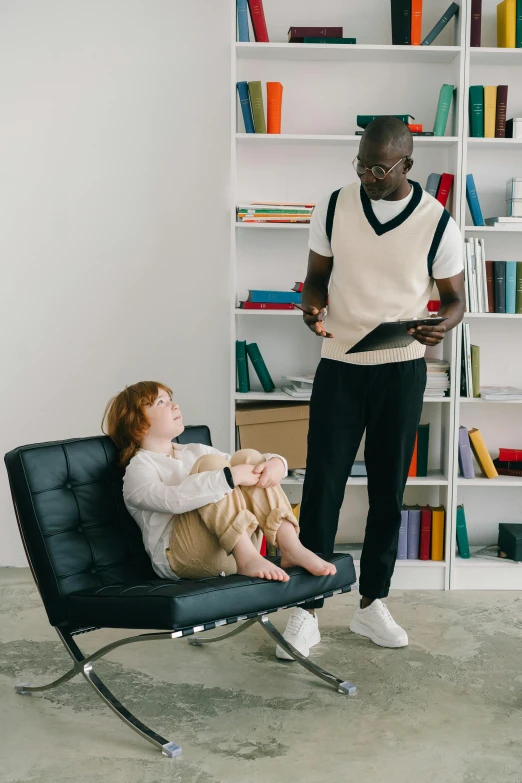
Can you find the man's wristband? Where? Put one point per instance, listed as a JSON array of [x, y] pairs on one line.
[[228, 476]]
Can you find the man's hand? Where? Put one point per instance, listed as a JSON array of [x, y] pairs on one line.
[[429, 335], [314, 319], [245, 475], [270, 473]]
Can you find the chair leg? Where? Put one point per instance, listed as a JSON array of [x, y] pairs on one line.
[[342, 686], [83, 665], [198, 641]]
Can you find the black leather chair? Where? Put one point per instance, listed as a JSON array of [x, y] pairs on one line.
[[89, 564]]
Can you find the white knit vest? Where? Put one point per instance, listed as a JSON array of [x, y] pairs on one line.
[[381, 272]]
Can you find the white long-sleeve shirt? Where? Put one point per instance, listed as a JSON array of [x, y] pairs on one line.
[[156, 487]]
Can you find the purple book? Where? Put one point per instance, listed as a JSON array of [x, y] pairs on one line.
[[465, 461], [402, 552], [414, 526]]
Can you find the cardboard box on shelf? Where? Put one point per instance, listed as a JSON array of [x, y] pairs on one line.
[[275, 428]]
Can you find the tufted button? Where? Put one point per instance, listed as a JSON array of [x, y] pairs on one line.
[[80, 529], [67, 486], [94, 571]]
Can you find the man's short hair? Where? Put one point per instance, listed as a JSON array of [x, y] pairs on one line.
[[388, 130]]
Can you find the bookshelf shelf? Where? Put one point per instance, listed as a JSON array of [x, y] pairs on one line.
[[498, 482], [347, 52], [476, 400], [281, 396], [493, 56], [490, 144], [492, 316], [492, 230], [313, 138], [265, 226], [435, 478]]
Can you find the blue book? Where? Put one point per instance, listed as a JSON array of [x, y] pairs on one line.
[[473, 201], [280, 297], [414, 526], [246, 108], [402, 551], [511, 286], [242, 21], [441, 24]]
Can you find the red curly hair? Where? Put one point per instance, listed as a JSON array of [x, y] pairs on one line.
[[125, 420]]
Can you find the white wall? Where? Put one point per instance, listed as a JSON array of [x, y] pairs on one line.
[[114, 130]]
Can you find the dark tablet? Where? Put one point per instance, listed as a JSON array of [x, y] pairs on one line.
[[392, 334]]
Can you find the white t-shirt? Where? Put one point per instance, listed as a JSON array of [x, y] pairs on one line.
[[448, 260]]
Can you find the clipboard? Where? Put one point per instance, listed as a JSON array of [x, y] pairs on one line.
[[392, 334]]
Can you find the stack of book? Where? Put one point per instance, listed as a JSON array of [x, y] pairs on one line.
[[487, 111], [439, 186], [501, 393], [419, 461], [257, 17], [253, 106], [252, 352], [470, 366], [491, 286], [472, 442], [406, 22], [438, 381], [417, 129], [273, 212], [509, 462], [421, 535], [299, 386], [318, 35], [441, 116], [271, 300]]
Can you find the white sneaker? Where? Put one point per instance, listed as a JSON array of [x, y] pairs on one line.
[[302, 631], [376, 623]]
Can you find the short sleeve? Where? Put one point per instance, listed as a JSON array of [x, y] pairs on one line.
[[317, 239], [449, 260]]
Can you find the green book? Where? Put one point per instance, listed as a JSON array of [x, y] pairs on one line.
[[443, 107], [476, 111], [363, 120], [423, 441], [243, 381], [518, 29], [475, 370], [316, 40], [518, 305], [462, 533], [258, 107], [260, 367]]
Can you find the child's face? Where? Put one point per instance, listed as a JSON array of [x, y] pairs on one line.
[[165, 417]]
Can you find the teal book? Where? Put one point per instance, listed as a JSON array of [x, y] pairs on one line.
[[423, 442], [511, 287], [518, 28], [473, 201], [242, 20], [279, 297], [243, 380], [443, 109], [441, 24], [518, 306], [260, 367], [462, 533], [476, 111]]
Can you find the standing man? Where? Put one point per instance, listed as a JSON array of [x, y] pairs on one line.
[[375, 250]]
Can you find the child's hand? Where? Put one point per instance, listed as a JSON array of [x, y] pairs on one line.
[[270, 473], [244, 475]]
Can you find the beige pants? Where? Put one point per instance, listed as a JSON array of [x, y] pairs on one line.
[[201, 541]]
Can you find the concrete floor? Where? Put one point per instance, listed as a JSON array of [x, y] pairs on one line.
[[446, 709]]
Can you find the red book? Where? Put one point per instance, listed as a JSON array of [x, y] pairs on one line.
[[500, 120], [298, 34], [262, 551], [266, 306], [434, 306], [416, 23], [446, 181], [490, 281], [425, 533], [510, 455], [274, 102], [257, 15], [416, 128], [412, 473], [476, 22]]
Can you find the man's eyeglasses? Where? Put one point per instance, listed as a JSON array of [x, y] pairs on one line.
[[377, 171]]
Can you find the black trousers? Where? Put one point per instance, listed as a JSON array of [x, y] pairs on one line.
[[347, 399]]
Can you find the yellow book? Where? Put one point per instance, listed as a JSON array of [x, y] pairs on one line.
[[296, 508], [506, 24], [490, 111], [438, 516], [482, 454]]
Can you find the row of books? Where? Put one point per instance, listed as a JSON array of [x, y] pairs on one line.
[[446, 94], [513, 205], [509, 24], [471, 443], [491, 286], [421, 534], [272, 212], [419, 461], [439, 186], [251, 351], [470, 366], [406, 21], [253, 106], [488, 111]]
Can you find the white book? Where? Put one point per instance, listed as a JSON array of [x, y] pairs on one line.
[[478, 272], [469, 276], [473, 285], [469, 375], [484, 274], [302, 395]]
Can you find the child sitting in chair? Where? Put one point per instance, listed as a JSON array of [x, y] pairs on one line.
[[201, 512]]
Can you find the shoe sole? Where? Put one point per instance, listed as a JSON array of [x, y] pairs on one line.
[[284, 656], [355, 627]]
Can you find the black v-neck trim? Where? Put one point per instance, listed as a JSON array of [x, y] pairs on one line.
[[383, 228]]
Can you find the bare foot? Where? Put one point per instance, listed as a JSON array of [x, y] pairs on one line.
[[257, 566], [296, 554]]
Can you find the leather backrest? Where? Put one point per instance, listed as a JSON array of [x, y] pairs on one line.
[[76, 530]]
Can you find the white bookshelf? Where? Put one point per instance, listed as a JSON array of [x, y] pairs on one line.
[[312, 157]]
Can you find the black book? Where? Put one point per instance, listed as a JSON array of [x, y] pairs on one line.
[[413, 133], [401, 22], [499, 272]]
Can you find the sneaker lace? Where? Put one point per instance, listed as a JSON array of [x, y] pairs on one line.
[[295, 623], [385, 617]]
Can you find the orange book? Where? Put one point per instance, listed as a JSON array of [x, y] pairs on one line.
[[412, 473], [274, 102], [437, 532], [416, 22]]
